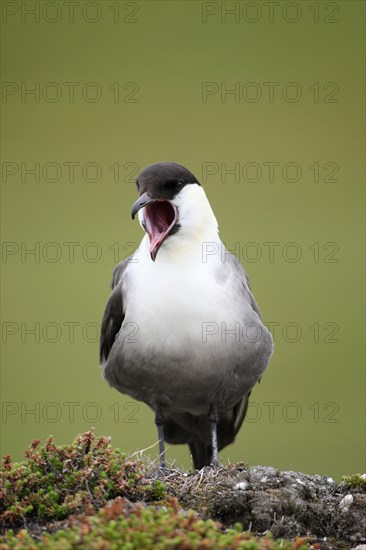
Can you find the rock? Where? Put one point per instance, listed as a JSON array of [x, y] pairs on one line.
[[289, 504]]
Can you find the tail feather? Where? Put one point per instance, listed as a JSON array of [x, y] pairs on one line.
[[201, 454], [195, 431]]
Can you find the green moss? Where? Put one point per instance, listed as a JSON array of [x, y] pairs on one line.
[[158, 490], [355, 480], [122, 525], [56, 481]]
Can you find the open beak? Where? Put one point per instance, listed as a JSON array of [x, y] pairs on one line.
[[160, 216], [140, 203]]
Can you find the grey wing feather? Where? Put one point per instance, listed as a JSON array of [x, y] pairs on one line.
[[246, 284], [252, 299], [232, 420], [113, 314], [242, 276], [118, 272]]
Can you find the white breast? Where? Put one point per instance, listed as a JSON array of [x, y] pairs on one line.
[[176, 301]]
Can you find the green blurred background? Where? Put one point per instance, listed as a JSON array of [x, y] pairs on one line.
[[308, 412]]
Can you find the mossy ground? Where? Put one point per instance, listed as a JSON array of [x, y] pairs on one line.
[[355, 480], [89, 495]]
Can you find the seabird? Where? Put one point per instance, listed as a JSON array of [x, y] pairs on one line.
[[181, 330]]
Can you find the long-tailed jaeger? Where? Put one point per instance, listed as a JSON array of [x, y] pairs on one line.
[[181, 330]]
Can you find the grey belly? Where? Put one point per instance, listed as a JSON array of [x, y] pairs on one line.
[[188, 380]]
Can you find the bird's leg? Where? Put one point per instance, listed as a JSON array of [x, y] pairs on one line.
[[214, 418], [159, 421]]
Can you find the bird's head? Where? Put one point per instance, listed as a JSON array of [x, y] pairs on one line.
[[171, 200]]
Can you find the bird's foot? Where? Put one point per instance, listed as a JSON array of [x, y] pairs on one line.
[[162, 472]]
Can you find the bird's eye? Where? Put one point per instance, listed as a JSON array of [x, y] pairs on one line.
[[179, 184]]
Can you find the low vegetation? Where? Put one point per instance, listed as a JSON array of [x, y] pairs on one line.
[[89, 495]]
